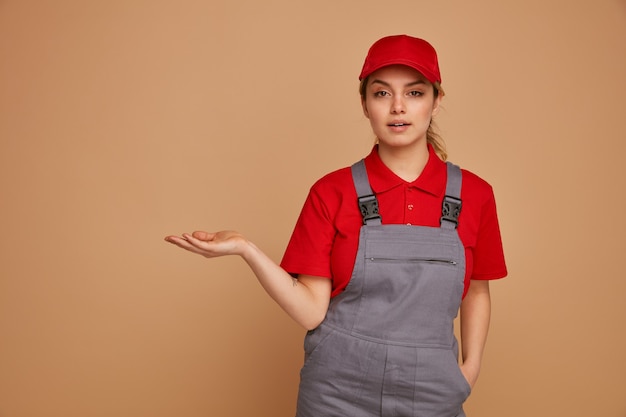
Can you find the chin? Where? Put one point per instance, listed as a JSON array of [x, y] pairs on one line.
[[402, 143]]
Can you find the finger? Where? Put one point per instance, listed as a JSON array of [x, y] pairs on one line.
[[200, 235], [171, 239], [183, 243], [200, 244], [178, 241]]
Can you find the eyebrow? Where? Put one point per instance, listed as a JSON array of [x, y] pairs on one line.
[[386, 84]]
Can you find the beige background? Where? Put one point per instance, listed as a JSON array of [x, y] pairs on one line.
[[124, 121]]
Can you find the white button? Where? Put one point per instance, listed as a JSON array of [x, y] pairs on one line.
[[408, 224], [410, 206]]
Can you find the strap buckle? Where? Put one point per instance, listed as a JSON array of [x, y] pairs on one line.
[[451, 210], [368, 205]]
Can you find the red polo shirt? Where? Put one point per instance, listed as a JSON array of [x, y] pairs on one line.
[[326, 236]]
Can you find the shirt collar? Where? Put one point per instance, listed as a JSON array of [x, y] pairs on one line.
[[432, 179]]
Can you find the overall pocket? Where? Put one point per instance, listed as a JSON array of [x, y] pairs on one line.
[[459, 375], [314, 342]]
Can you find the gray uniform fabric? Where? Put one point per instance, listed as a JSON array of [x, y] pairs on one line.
[[387, 346]]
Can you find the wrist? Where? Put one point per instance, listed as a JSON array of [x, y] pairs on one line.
[[247, 249], [470, 371], [471, 363]]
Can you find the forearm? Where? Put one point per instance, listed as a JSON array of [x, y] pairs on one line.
[[305, 300], [475, 317]]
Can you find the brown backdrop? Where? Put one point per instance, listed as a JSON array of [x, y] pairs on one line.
[[123, 121]]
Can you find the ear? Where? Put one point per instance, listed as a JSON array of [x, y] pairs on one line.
[[364, 106], [437, 105]]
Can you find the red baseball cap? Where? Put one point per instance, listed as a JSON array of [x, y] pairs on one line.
[[403, 50]]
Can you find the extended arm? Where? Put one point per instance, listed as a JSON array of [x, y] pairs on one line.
[[475, 316], [305, 300]]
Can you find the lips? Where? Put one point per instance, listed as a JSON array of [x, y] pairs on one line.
[[398, 123]]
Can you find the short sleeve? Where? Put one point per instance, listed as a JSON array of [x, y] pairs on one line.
[[489, 260], [310, 246]]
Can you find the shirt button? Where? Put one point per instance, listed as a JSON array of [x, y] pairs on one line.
[[410, 206], [408, 224]]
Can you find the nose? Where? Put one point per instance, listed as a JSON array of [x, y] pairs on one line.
[[397, 105]]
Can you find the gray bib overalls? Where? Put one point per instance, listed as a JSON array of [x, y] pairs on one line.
[[387, 345]]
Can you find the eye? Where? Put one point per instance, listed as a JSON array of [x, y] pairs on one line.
[[415, 93], [381, 93]]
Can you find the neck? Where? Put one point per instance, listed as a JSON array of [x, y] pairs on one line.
[[406, 163]]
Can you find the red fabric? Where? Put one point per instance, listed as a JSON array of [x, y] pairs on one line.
[[326, 236], [404, 50]]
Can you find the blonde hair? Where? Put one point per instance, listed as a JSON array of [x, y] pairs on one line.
[[432, 134]]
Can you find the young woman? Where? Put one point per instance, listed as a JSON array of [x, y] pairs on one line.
[[383, 255]]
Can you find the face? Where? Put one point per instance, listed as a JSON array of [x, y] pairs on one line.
[[400, 103]]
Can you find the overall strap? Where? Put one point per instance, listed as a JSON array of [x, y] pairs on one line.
[[451, 207], [368, 203]]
